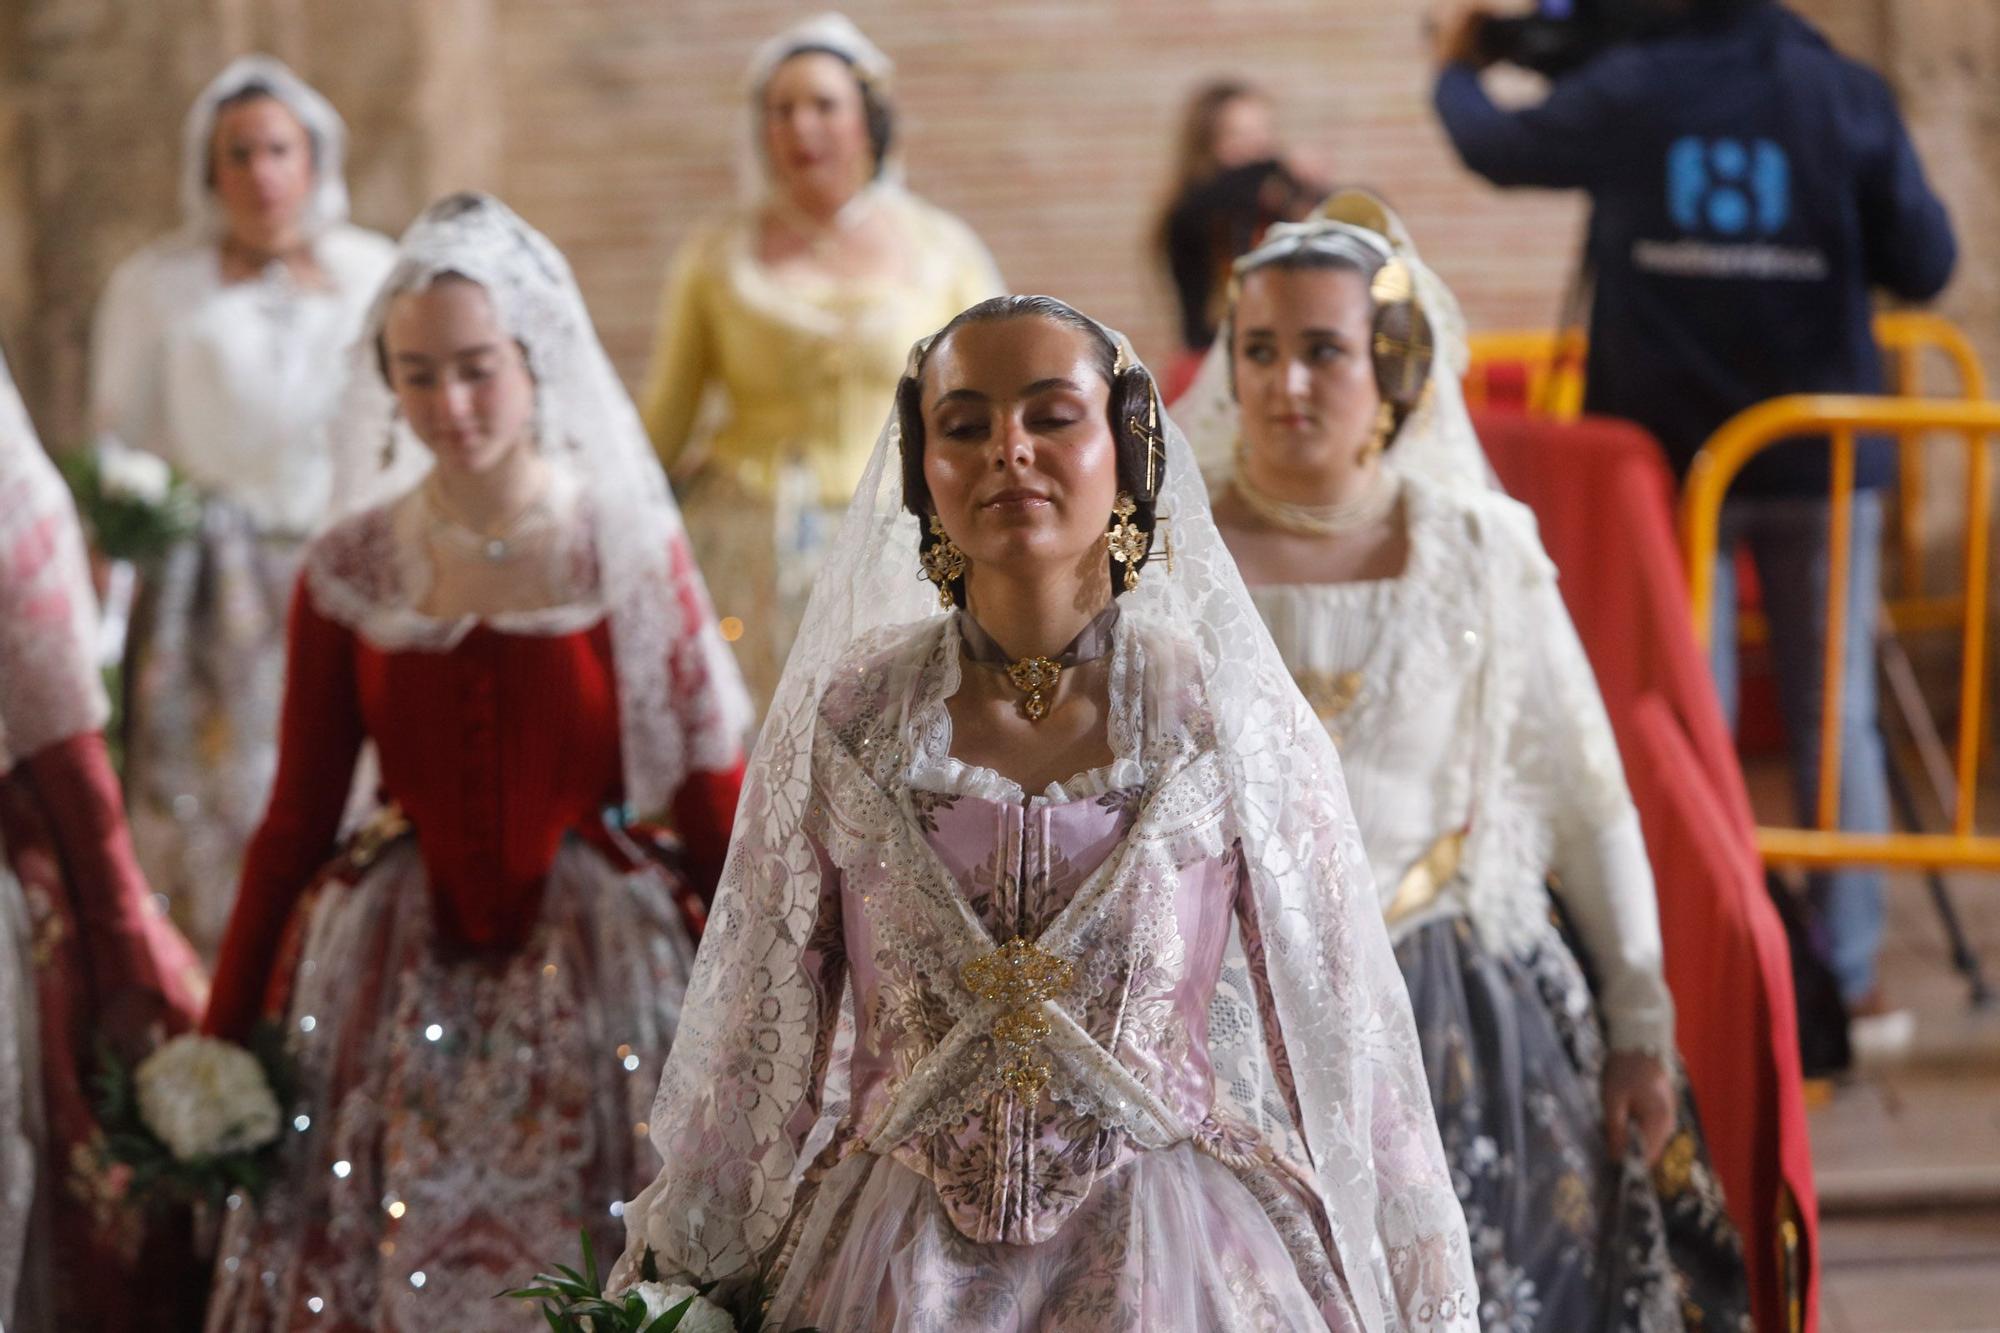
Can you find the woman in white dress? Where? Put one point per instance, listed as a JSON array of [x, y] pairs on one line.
[[1415, 607], [216, 349], [790, 315]]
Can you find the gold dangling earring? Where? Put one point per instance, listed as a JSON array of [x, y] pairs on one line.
[[1378, 440], [943, 563], [1127, 541]]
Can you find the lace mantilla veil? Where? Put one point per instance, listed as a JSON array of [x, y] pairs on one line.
[[201, 213], [727, 1120], [1437, 443], [50, 689], [681, 702]]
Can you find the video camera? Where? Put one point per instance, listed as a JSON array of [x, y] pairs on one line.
[[1562, 34]]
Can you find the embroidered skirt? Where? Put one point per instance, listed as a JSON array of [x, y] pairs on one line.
[[1564, 1237], [461, 1117]]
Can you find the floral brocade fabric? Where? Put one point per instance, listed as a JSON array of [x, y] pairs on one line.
[[1033, 1136]]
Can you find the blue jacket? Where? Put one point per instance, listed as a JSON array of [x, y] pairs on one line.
[[1749, 185]]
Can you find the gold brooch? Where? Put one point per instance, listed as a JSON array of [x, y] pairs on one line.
[[1020, 975], [1035, 677], [1330, 696]]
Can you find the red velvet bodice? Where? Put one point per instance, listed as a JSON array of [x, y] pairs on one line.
[[495, 748]]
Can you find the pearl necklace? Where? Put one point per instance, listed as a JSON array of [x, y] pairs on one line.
[[1363, 511], [495, 548]]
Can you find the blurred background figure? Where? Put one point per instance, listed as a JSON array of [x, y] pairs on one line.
[[217, 351], [86, 961], [1750, 188], [793, 314], [1232, 178]]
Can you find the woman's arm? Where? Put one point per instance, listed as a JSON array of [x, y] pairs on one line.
[[683, 355], [1563, 752]]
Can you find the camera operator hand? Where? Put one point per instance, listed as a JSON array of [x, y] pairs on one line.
[[1458, 35]]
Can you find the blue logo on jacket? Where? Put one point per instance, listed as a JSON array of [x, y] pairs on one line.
[[1728, 186]]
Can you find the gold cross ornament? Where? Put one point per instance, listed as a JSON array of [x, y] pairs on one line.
[[1022, 976]]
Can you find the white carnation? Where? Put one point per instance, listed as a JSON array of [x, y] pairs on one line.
[[205, 1098], [126, 473], [704, 1316]]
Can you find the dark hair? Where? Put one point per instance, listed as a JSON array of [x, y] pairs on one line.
[[1194, 149], [1132, 400], [1400, 351], [875, 108], [255, 91]]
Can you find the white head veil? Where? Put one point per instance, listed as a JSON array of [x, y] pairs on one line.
[[49, 686], [201, 214], [826, 32], [681, 701], [727, 1119], [1437, 442]]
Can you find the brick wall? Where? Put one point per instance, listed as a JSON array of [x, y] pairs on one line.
[[1047, 126], [614, 124]]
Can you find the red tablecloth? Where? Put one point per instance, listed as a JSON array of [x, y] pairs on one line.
[[1604, 498]]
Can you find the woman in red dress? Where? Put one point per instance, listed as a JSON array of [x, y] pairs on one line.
[[84, 956], [479, 987]]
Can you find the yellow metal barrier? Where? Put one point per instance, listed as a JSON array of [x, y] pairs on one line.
[[1840, 419], [1553, 361], [1905, 335], [1553, 365]]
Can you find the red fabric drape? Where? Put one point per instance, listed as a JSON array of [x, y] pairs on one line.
[[1604, 498]]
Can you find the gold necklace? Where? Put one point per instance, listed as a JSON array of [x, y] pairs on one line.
[[1035, 676], [1363, 511]]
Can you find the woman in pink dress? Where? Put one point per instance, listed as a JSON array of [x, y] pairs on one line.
[[1061, 832]]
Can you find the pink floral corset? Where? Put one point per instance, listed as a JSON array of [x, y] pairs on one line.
[[1009, 1168]]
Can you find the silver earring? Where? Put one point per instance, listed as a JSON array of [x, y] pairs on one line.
[[389, 437]]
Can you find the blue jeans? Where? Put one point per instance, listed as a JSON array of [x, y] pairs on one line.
[[1788, 540]]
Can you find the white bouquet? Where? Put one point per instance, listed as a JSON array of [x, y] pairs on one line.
[[701, 1316], [198, 1119], [132, 474], [206, 1098]]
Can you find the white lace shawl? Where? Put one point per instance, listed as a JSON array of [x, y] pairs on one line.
[[681, 702], [740, 1089], [49, 686]]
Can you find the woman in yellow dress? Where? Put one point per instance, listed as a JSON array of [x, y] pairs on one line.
[[785, 327]]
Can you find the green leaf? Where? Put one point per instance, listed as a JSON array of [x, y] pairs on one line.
[[590, 1260], [671, 1320]]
